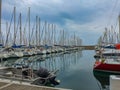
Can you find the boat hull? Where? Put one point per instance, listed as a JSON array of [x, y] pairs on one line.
[[102, 77], [107, 68]]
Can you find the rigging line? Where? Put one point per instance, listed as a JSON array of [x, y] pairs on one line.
[[109, 19]]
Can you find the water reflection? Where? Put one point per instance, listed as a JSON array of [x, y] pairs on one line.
[[75, 68], [52, 62], [59, 62], [102, 79]]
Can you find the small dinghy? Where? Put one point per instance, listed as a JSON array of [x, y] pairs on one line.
[[46, 77], [41, 76]]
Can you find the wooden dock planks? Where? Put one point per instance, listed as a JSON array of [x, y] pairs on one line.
[[14, 86]]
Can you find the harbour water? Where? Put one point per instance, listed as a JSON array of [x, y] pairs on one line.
[[75, 69], [80, 75]]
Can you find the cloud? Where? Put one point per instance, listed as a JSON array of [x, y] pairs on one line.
[[86, 17]]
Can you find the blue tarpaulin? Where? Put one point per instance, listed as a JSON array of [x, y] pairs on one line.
[[16, 46], [1, 44]]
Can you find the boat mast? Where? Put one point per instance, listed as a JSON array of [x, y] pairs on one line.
[[6, 33], [45, 33], [36, 30], [74, 39], [0, 21], [119, 28], [20, 30], [48, 34], [14, 24], [63, 38], [39, 31], [29, 24], [54, 35]]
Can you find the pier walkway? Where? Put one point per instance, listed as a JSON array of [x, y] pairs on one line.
[[4, 85], [87, 47]]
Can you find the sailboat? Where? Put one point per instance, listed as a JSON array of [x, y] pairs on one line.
[[109, 62], [110, 66]]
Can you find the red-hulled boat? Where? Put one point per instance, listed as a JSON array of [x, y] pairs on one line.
[[108, 65]]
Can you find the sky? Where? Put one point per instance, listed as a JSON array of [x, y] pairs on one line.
[[86, 18]]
